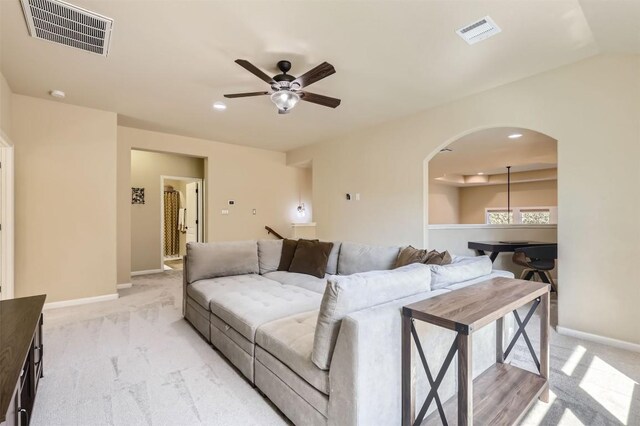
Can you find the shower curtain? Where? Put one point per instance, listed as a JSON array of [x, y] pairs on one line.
[[171, 234]]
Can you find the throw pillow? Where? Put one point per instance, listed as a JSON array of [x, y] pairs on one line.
[[288, 250], [409, 255], [311, 258], [435, 258]]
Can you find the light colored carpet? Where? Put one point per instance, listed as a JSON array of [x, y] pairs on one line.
[[135, 361], [591, 384], [174, 263]]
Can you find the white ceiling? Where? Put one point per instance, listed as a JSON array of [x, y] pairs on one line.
[[170, 60], [490, 151]]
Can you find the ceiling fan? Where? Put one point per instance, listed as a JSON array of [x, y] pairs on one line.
[[287, 89]]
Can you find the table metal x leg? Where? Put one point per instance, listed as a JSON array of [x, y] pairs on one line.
[[435, 384], [522, 331], [423, 358], [526, 339]]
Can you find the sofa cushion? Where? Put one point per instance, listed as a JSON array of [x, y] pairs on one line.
[[230, 332], [300, 402], [496, 273], [332, 264], [203, 291], [246, 310], [311, 258], [300, 280], [355, 258], [347, 294], [290, 340], [269, 252], [210, 260], [462, 268]]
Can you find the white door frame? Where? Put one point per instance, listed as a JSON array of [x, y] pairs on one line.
[[201, 221], [7, 248]]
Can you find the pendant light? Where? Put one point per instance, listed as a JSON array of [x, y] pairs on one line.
[[509, 194]]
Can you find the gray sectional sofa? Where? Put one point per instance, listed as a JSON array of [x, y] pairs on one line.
[[325, 350]]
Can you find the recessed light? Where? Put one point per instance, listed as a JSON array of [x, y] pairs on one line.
[[480, 173], [57, 94], [220, 106], [515, 136]]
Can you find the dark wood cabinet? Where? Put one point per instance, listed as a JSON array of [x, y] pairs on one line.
[[21, 358]]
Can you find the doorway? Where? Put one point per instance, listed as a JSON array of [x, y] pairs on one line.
[[494, 185], [182, 219]]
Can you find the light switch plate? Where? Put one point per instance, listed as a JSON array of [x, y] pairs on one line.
[[225, 211]]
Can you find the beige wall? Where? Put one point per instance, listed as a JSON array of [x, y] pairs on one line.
[[444, 203], [475, 199], [65, 199], [254, 178], [592, 108], [5, 106], [306, 194], [146, 170]]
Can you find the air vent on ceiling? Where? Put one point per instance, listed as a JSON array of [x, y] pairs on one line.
[[478, 31], [64, 23]]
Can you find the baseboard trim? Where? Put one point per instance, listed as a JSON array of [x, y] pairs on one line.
[[82, 301], [621, 344], [150, 271], [124, 285]]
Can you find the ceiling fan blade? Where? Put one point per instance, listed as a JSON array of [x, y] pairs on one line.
[[244, 95], [323, 70], [320, 99], [255, 71]]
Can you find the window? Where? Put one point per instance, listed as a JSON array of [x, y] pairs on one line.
[[535, 216], [498, 217], [523, 216]]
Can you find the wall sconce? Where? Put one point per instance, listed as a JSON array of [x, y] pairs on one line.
[[301, 210]]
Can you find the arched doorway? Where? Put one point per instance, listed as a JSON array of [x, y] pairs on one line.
[[472, 195]]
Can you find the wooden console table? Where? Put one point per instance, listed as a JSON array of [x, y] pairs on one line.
[[21, 353], [502, 394]]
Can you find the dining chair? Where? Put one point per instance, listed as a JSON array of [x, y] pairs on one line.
[[537, 260]]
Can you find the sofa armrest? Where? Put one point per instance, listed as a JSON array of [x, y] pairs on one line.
[[185, 283], [365, 372], [365, 369]]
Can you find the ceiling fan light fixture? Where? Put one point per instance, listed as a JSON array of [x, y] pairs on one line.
[[285, 99]]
